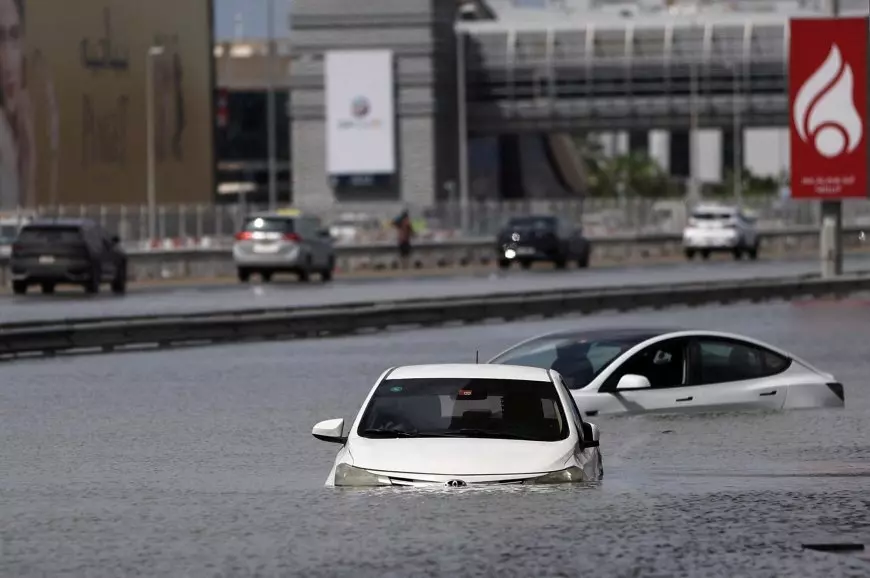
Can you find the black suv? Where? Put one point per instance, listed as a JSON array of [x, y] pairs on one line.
[[541, 238], [67, 251]]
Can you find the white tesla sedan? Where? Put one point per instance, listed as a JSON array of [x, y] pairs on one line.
[[634, 371], [463, 425]]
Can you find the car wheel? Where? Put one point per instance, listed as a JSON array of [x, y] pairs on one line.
[[48, 288], [526, 264], [753, 252], [244, 275], [304, 273], [19, 287], [690, 254], [560, 263], [738, 253], [266, 276], [705, 254], [92, 285], [504, 264], [119, 283], [583, 262], [326, 274]]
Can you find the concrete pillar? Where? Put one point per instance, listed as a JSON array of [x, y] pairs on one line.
[[510, 171], [680, 151], [638, 142], [728, 152]]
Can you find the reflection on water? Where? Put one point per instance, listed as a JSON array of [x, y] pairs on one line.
[[201, 463]]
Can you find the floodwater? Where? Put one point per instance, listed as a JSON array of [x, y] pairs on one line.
[[200, 463]]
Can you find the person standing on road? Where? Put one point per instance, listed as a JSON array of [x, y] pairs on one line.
[[404, 232]]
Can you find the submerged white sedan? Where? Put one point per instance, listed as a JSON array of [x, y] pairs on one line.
[[462, 425], [649, 370]]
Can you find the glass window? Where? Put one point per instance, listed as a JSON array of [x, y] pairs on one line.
[[663, 364], [578, 360], [720, 361], [49, 235], [268, 225], [536, 223], [460, 407]]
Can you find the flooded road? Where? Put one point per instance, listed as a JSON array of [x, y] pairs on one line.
[[200, 462]]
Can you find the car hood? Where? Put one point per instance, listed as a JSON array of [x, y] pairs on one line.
[[460, 456]]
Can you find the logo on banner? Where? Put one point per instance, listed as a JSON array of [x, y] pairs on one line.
[[360, 107], [824, 111], [360, 110]]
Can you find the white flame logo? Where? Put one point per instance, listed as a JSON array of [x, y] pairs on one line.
[[824, 111]]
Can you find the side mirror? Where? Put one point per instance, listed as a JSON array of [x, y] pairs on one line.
[[631, 381], [115, 239], [330, 431], [591, 435]]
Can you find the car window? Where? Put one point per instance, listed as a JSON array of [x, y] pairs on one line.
[[722, 361], [578, 360], [461, 407], [534, 223], [268, 225], [50, 235], [663, 364]]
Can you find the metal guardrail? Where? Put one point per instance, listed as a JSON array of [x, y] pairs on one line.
[[225, 327]]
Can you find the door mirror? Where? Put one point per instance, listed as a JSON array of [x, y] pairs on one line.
[[591, 435], [330, 431], [632, 381], [115, 239]]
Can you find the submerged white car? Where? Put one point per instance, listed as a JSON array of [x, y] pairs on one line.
[[462, 425], [637, 370]]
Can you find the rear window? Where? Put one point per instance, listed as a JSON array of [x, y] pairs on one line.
[[541, 223], [269, 225], [50, 235], [713, 216]]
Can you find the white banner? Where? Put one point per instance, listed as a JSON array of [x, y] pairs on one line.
[[360, 127]]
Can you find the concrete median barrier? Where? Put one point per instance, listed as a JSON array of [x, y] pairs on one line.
[[109, 334]]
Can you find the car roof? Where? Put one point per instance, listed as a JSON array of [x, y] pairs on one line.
[[277, 214], [471, 371]]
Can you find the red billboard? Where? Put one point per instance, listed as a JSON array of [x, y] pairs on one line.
[[828, 104]]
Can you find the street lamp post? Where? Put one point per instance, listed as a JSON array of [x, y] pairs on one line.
[[737, 146], [270, 108], [153, 52]]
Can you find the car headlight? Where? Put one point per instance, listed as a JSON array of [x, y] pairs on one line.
[[566, 476], [347, 475]]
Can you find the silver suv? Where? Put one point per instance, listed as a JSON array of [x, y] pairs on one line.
[[283, 242]]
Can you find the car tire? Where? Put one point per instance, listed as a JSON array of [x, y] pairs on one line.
[[504, 264], [326, 274], [560, 263], [244, 275], [119, 283], [753, 252], [47, 288], [526, 264], [583, 262], [92, 285], [738, 253], [705, 254], [19, 287], [266, 276], [304, 274], [690, 254]]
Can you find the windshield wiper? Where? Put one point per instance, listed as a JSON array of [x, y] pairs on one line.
[[389, 433], [486, 433]]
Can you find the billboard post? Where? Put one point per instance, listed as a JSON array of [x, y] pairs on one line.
[[828, 104]]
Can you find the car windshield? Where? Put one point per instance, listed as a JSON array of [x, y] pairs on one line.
[[465, 408], [538, 223], [578, 360], [268, 225]]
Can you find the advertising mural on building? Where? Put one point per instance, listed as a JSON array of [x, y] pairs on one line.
[[73, 93], [360, 115], [828, 100]]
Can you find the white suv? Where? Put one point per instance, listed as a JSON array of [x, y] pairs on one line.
[[720, 228]]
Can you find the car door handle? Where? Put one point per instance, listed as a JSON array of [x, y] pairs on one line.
[[690, 398], [767, 393]]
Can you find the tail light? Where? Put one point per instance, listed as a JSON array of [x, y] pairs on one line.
[[292, 237], [244, 236]]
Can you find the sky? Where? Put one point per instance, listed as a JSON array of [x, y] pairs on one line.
[[253, 13]]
